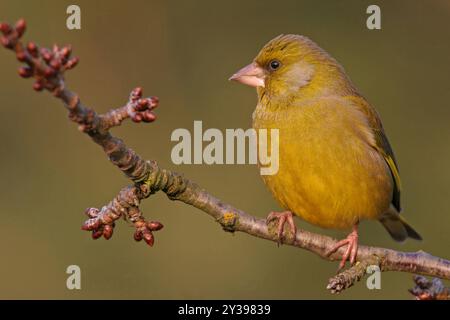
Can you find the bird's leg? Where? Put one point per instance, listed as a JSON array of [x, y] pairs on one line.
[[352, 247], [282, 217]]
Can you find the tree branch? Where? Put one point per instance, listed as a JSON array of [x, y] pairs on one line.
[[48, 67]]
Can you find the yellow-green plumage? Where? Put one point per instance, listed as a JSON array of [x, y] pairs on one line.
[[336, 164]]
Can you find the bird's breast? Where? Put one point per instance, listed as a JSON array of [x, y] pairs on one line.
[[328, 173]]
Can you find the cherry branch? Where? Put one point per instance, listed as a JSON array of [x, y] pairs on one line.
[[48, 68]]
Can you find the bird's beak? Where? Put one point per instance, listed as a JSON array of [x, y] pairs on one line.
[[251, 75]]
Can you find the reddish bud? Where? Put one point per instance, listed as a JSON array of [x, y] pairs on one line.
[[21, 56], [97, 234], [49, 72], [143, 102], [32, 49], [107, 232], [6, 42], [65, 52], [55, 64], [137, 92], [38, 86], [25, 72], [55, 48], [137, 118], [72, 63], [21, 27], [154, 225], [148, 238], [148, 116], [46, 55], [5, 28], [137, 236], [154, 102], [31, 46], [142, 105]]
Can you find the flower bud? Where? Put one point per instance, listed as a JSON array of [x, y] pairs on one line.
[[97, 234], [72, 63], [38, 86], [137, 236], [46, 55], [32, 49], [137, 117], [154, 225], [6, 42], [25, 72], [21, 27], [142, 105], [137, 92], [148, 116], [21, 56], [5, 28], [154, 102], [148, 238], [49, 72], [108, 232], [65, 52], [55, 64]]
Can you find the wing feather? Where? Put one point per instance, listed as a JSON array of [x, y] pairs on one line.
[[382, 145]]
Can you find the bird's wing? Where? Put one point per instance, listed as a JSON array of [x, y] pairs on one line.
[[385, 149], [382, 145]]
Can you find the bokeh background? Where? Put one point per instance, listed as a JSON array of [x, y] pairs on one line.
[[183, 52]]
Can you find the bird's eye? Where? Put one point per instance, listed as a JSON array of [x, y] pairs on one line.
[[274, 65]]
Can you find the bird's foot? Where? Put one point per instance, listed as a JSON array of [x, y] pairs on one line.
[[283, 217], [352, 248]]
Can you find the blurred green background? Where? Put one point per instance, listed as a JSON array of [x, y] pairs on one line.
[[183, 52]]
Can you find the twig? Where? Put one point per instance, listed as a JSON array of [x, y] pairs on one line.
[[48, 68], [430, 290], [349, 277]]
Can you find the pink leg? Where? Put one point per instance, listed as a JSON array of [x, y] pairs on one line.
[[282, 217], [352, 249]]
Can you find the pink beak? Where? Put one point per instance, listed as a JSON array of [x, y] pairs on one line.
[[251, 75]]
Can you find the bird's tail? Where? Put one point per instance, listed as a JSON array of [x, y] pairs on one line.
[[397, 227]]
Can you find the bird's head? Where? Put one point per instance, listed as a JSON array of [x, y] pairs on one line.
[[288, 65]]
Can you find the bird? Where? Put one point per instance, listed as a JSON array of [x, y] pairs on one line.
[[336, 165]]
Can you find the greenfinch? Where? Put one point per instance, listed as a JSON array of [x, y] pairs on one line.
[[336, 164]]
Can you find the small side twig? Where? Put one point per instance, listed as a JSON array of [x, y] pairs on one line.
[[430, 290], [355, 273]]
